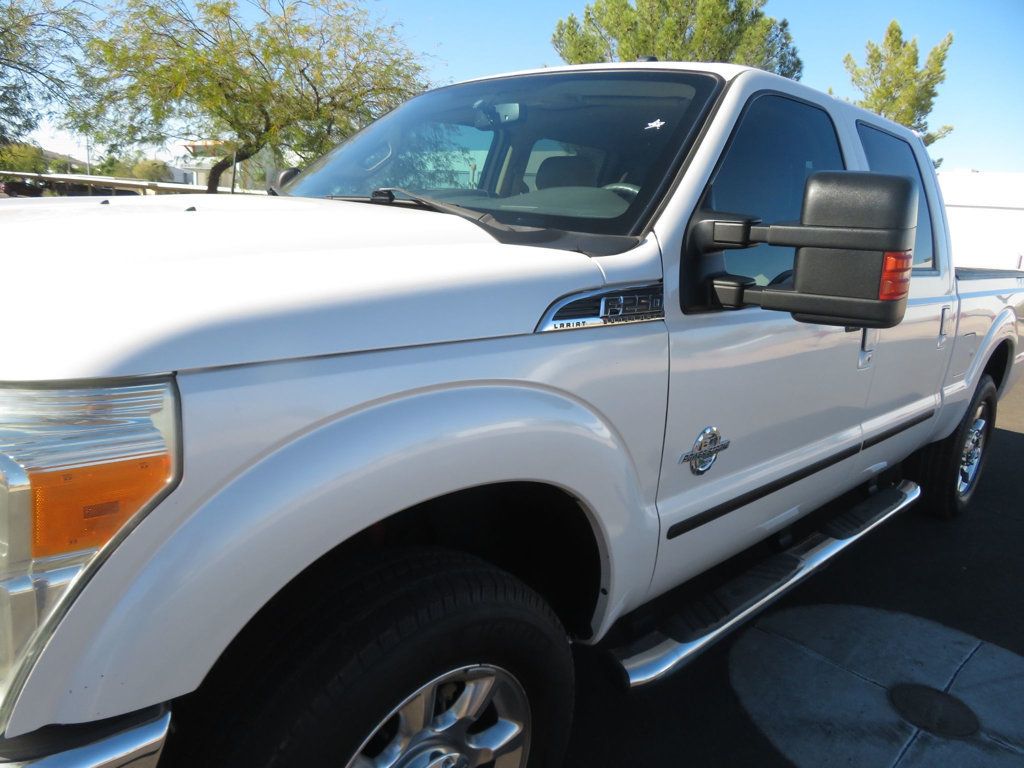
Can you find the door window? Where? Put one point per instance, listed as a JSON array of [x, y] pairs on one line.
[[890, 154], [777, 144]]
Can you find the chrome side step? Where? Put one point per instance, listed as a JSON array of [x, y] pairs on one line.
[[665, 651]]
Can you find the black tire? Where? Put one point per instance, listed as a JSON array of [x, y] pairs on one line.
[[401, 621], [939, 465]]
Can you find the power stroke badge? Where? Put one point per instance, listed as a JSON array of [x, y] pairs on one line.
[[706, 447]]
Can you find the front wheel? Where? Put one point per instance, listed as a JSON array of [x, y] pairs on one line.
[[427, 659], [951, 469]]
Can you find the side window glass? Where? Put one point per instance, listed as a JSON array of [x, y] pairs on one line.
[[777, 144], [889, 154]]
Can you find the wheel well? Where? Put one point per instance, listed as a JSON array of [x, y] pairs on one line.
[[999, 363], [539, 533]]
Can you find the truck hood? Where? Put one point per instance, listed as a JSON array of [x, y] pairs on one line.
[[128, 286]]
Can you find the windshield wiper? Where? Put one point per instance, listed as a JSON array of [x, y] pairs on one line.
[[388, 195], [592, 245]]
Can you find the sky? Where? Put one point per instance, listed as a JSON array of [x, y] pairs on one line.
[[982, 98]]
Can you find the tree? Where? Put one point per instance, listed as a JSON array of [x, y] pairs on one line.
[[114, 165], [25, 157], [39, 42], [894, 87], [735, 31], [151, 170], [292, 75]]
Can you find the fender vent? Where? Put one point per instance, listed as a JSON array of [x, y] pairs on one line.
[[608, 306], [589, 307]]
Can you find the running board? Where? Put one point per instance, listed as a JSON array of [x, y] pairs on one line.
[[715, 614]]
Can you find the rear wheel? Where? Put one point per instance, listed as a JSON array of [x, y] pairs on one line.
[[951, 469], [428, 659]]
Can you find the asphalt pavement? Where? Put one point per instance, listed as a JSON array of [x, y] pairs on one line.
[[818, 680]]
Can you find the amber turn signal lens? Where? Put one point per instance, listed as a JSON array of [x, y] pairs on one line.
[[82, 508], [896, 269]]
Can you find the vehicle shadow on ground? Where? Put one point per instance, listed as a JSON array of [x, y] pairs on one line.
[[964, 574]]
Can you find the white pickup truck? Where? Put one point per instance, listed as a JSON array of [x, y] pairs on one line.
[[335, 477]]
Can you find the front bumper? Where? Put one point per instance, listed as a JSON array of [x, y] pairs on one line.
[[138, 746]]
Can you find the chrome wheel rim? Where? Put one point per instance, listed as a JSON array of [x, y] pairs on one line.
[[972, 451], [471, 717]]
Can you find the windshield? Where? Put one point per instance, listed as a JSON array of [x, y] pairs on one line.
[[579, 151]]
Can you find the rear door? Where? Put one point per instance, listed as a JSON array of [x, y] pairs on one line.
[[764, 412], [910, 360]]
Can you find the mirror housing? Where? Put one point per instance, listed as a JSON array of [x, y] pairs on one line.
[[853, 258], [285, 176]]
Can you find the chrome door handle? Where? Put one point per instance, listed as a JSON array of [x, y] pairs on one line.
[[947, 312], [868, 343]]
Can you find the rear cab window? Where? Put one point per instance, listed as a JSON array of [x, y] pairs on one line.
[[887, 153], [562, 163]]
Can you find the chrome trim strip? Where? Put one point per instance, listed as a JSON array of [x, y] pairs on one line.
[[669, 655], [138, 747], [881, 437], [15, 516], [548, 322], [708, 515]]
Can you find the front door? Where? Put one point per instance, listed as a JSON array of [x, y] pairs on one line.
[[764, 413]]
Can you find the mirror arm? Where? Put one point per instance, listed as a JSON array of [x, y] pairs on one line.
[[735, 292], [727, 231], [722, 231]]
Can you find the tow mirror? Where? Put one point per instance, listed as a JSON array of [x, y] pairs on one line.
[[285, 176], [853, 259]]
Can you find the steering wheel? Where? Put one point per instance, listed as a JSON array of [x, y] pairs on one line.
[[627, 192]]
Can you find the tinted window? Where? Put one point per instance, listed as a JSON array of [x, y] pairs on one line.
[[582, 151], [888, 154], [590, 159], [778, 143]]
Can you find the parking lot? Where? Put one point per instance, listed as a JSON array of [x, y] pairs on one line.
[[810, 682]]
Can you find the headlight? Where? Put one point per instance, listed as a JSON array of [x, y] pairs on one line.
[[77, 468]]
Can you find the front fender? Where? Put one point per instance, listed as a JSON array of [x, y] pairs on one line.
[[155, 618]]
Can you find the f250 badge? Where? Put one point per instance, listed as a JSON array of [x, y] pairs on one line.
[[706, 447]]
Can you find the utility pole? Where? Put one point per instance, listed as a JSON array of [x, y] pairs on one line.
[[88, 160]]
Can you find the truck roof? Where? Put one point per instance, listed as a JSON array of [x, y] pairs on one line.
[[727, 72]]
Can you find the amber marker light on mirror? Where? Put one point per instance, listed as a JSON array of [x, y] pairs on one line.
[[895, 282], [78, 467]]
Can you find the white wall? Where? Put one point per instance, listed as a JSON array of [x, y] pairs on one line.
[[986, 218]]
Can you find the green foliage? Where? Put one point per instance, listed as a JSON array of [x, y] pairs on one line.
[[24, 157], [292, 75], [151, 170], [893, 85], [734, 31], [39, 43], [133, 166], [113, 165]]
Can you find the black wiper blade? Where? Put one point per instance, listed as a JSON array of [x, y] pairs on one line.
[[388, 195], [589, 244]]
